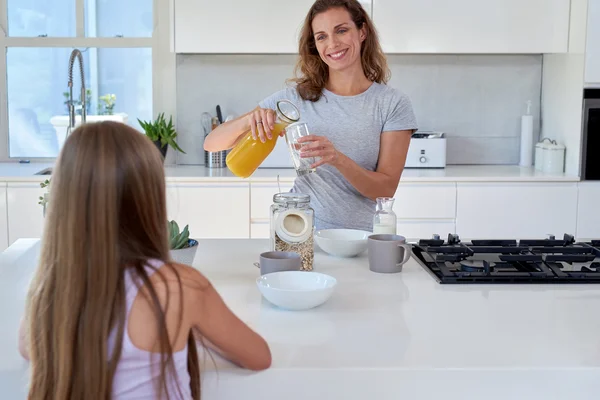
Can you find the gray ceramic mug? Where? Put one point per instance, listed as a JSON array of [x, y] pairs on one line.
[[388, 253], [275, 261]]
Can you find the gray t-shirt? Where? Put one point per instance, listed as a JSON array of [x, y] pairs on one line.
[[354, 125]]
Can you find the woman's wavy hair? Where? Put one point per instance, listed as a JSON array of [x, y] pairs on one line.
[[311, 71]]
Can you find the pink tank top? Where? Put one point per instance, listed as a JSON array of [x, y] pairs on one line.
[[138, 370]]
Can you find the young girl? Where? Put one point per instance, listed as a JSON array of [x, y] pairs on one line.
[[109, 316]]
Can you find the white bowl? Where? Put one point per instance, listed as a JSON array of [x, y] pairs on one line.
[[342, 242], [296, 290]]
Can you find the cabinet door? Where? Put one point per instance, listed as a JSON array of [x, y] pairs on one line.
[[472, 26], [425, 201], [233, 26], [25, 215], [592, 46], [3, 218], [212, 210], [588, 217], [515, 210]]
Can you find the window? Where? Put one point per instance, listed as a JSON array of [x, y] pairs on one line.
[[118, 41]]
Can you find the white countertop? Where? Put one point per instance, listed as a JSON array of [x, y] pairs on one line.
[[398, 336], [15, 172]]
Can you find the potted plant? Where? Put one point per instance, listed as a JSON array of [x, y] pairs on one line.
[[183, 249], [161, 133], [44, 199], [107, 105]]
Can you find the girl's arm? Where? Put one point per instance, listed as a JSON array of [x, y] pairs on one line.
[[212, 319]]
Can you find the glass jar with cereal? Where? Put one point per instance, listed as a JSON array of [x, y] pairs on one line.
[[292, 226]]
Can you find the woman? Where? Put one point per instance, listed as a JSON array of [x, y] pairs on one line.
[[108, 314], [361, 127]]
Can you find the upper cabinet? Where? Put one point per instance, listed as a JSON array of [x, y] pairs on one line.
[[240, 26], [405, 26], [592, 47], [472, 26]]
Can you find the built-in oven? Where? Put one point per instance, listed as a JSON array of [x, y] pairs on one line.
[[590, 155]]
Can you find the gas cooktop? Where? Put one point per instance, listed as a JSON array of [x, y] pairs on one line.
[[548, 260]]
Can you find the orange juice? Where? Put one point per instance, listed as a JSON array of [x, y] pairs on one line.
[[248, 154]]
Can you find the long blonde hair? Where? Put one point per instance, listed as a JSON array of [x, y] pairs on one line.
[[107, 213], [311, 72]]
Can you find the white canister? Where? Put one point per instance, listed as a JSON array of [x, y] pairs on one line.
[[554, 158], [540, 148]]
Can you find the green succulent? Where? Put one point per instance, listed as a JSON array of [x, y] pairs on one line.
[[161, 131], [178, 240]]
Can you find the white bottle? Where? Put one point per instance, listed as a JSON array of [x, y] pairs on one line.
[[384, 220], [526, 154]]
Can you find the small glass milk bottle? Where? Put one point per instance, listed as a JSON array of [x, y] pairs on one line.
[[384, 220]]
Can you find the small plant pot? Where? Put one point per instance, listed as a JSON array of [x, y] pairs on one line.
[[187, 254], [163, 149]]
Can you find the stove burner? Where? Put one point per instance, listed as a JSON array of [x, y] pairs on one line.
[[474, 266], [547, 260]]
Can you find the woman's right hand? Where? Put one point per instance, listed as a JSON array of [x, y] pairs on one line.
[[262, 122]]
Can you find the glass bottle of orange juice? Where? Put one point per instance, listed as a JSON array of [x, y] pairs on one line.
[[248, 154]]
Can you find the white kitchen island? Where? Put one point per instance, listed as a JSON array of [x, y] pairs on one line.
[[384, 337]]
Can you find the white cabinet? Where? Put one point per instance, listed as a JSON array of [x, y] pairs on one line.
[[425, 200], [515, 210], [425, 209], [588, 217], [234, 26], [3, 218], [592, 46], [472, 26], [261, 198], [211, 209], [25, 215]]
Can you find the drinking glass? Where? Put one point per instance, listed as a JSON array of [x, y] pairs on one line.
[[293, 132]]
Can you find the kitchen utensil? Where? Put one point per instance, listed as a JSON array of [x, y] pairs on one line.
[[342, 242], [384, 220], [212, 159], [296, 290], [293, 132], [248, 154], [219, 115], [275, 261], [387, 253], [205, 121]]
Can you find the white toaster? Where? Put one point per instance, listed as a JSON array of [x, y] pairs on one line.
[[427, 150]]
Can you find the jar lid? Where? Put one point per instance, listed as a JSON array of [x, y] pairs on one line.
[[288, 111], [291, 197]]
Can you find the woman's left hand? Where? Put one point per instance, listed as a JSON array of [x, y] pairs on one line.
[[319, 147]]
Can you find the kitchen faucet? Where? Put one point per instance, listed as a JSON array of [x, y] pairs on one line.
[[76, 53]]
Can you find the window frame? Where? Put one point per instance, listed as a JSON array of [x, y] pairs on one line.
[[163, 60]]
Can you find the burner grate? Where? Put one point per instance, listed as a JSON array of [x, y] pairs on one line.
[[510, 261]]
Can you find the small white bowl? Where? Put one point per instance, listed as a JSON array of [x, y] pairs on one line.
[[342, 242], [296, 290]]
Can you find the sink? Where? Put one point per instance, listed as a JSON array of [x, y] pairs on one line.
[[45, 171]]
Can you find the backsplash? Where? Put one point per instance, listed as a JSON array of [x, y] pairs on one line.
[[476, 99]]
